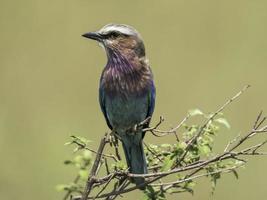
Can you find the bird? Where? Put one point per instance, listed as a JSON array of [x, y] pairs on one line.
[[126, 91]]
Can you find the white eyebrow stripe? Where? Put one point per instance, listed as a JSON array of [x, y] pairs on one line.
[[121, 29]]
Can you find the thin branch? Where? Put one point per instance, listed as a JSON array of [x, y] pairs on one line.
[[161, 119], [77, 178], [91, 179], [160, 133], [121, 187], [170, 184], [257, 124], [116, 145], [231, 142], [153, 153], [194, 139], [83, 146], [105, 186]]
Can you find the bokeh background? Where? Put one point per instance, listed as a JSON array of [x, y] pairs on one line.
[[201, 53]]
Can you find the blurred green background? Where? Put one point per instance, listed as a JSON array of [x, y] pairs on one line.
[[201, 53]]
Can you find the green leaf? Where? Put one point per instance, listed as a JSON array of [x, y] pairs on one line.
[[213, 185], [182, 145], [61, 187], [76, 149], [78, 159], [67, 162], [83, 174], [166, 145], [188, 186], [168, 163], [224, 122], [195, 112], [68, 143], [205, 150], [80, 139], [178, 149], [87, 155], [119, 166], [235, 173], [151, 193]]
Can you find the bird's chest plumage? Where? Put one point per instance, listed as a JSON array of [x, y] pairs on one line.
[[126, 96]]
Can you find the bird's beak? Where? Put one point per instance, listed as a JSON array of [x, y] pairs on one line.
[[93, 35]]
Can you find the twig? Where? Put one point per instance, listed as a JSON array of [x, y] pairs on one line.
[[116, 145], [105, 186], [83, 146], [106, 165], [91, 178], [231, 142], [160, 133], [161, 119], [194, 139], [170, 184], [69, 192], [122, 186], [152, 152]]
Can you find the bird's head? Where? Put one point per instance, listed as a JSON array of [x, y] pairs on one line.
[[119, 38]]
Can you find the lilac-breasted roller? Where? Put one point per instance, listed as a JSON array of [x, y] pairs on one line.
[[127, 91]]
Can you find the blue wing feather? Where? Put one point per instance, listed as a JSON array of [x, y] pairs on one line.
[[151, 100], [103, 107], [151, 104]]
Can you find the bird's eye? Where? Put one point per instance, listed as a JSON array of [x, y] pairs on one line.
[[114, 34]]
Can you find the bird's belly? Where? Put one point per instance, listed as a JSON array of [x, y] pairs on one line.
[[124, 113]]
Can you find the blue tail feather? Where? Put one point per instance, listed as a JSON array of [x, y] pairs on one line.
[[135, 157]]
